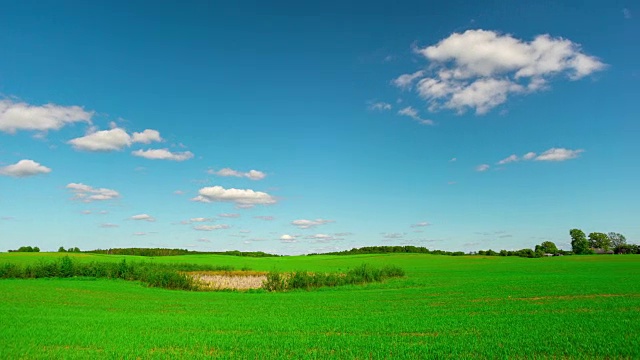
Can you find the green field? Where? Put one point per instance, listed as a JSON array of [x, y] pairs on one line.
[[445, 307]]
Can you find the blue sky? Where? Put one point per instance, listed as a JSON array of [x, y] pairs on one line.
[[293, 128]]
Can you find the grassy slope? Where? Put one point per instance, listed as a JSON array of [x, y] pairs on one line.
[[487, 307]]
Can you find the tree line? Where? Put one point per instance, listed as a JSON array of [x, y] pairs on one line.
[[598, 242]]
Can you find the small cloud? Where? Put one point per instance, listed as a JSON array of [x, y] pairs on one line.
[[86, 193], [163, 154], [453, 160], [451, 182], [143, 217], [16, 116], [264, 217], [559, 154], [196, 220], [482, 167], [229, 215], [307, 224], [405, 81], [245, 198], [413, 113], [341, 234], [139, 233], [147, 136], [528, 156], [211, 227], [203, 240], [178, 192], [251, 174], [420, 224], [24, 168], [626, 13], [86, 212], [509, 159], [379, 106], [109, 225], [105, 140], [393, 235], [286, 238]]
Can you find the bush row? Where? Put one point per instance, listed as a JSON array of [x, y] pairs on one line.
[[363, 274]]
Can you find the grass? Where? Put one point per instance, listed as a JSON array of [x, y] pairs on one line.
[[445, 307]]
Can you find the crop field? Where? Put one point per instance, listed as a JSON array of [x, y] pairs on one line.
[[572, 307]]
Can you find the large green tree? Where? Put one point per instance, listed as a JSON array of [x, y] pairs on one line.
[[616, 239], [579, 243], [548, 247], [598, 240]]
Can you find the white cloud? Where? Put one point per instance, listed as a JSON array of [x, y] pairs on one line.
[[480, 69], [16, 116], [109, 225], [380, 106], [229, 215], [307, 224], [178, 192], [288, 238], [105, 140], [528, 156], [251, 174], [405, 81], [241, 197], [143, 217], [211, 227], [196, 220], [139, 233], [24, 168], [147, 136], [453, 160], [509, 159], [413, 113], [393, 235], [265, 217], [559, 154], [482, 167], [86, 193], [421, 224], [163, 154]]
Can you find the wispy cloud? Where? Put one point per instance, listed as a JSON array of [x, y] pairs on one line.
[[251, 174], [307, 224], [559, 154], [143, 217], [211, 227], [413, 113], [229, 215], [265, 217], [482, 167], [379, 106], [406, 81], [163, 154], [86, 193], [420, 224]]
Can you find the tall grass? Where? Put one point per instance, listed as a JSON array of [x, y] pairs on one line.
[[168, 276], [362, 274]]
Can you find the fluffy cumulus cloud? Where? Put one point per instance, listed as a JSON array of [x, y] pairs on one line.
[[86, 193], [113, 139], [307, 224], [211, 227], [24, 168], [143, 217], [480, 69], [15, 116], [251, 174], [413, 113], [163, 154], [244, 198]]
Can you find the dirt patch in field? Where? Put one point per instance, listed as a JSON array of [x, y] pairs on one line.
[[233, 280]]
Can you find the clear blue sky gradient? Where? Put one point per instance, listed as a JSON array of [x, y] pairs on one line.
[[286, 88]]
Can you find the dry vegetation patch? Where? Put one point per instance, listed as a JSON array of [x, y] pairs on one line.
[[235, 280]]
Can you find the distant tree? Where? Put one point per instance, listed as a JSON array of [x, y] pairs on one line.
[[579, 243], [36, 249], [599, 240], [61, 249], [616, 239], [76, 250], [548, 247]]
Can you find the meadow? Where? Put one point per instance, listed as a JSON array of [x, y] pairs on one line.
[[571, 307]]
